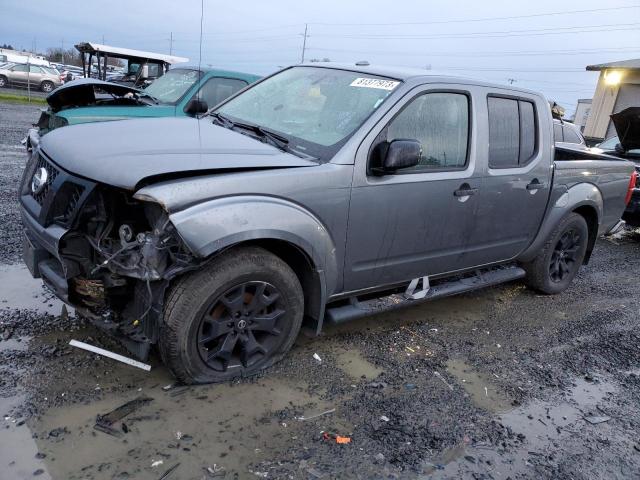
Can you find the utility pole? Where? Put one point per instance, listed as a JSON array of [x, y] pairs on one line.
[[103, 39], [171, 43], [304, 41], [62, 52]]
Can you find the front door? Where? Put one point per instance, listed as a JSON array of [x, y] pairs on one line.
[[420, 220], [19, 74]]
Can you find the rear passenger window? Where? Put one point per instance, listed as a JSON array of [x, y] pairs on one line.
[[512, 132], [440, 122], [570, 136], [557, 132]]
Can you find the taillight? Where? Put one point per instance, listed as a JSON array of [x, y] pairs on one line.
[[632, 185]]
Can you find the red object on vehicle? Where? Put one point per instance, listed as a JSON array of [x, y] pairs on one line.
[[632, 185]]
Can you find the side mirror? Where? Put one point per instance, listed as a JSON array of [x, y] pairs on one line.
[[196, 106], [399, 154]]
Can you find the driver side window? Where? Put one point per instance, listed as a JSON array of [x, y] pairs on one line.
[[440, 122]]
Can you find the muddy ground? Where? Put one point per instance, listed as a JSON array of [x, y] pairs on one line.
[[501, 383]]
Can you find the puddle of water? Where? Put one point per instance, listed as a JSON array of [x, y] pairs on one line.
[[13, 344], [356, 366], [480, 387], [542, 423], [229, 426], [21, 291], [17, 447]]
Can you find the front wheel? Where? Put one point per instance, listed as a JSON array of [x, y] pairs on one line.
[[3, 81], [237, 316], [561, 256]]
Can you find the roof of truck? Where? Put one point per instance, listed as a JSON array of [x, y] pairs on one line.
[[409, 73]]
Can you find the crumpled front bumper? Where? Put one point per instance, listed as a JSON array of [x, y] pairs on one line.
[[40, 254]]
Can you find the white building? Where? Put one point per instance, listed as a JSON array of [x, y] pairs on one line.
[[583, 109]]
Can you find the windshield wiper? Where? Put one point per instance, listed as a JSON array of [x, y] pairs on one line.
[[279, 141], [222, 120]]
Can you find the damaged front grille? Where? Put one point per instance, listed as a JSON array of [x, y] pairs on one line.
[[51, 173], [50, 194]]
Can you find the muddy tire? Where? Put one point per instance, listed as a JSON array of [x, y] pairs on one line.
[[47, 86], [3, 81], [237, 316], [561, 256]]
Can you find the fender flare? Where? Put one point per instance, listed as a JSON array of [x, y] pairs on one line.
[[212, 226], [577, 196]]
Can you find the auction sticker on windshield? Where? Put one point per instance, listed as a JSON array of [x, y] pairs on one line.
[[375, 83]]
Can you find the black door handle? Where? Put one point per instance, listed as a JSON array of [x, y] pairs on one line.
[[535, 185], [465, 192]]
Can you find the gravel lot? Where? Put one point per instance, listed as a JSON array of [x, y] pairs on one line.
[[501, 383]]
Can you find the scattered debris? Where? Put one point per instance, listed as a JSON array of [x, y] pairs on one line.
[[379, 457], [384, 418], [216, 470], [112, 355], [376, 385], [156, 463], [303, 418], [174, 392], [437, 374], [317, 357], [595, 419], [335, 437], [410, 386], [179, 435], [169, 471], [104, 423]]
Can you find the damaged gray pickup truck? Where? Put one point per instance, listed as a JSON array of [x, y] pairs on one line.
[[320, 194]]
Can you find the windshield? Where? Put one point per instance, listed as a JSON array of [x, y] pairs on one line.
[[170, 87], [316, 109]]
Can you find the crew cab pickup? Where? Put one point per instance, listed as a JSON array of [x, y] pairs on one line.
[[319, 194]]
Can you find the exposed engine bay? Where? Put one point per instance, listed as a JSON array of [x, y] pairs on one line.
[[118, 257]]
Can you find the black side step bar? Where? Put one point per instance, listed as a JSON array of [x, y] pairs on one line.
[[357, 309]]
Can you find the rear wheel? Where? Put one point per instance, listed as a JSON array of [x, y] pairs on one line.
[[561, 256], [47, 86], [238, 315], [3, 81]]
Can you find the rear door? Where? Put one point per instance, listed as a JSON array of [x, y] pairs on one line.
[[515, 188], [36, 75], [415, 222]]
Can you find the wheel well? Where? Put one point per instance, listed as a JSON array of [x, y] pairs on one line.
[[304, 268], [591, 217]]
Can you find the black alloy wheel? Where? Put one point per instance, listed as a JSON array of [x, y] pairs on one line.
[[557, 263], [564, 256], [242, 326]]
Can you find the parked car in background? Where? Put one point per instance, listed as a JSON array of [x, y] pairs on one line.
[[567, 134], [626, 145], [322, 193], [181, 91], [26, 75]]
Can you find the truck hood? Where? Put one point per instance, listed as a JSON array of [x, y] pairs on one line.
[[129, 153], [82, 92], [627, 123]]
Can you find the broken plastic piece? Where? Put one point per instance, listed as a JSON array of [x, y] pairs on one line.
[[317, 357], [595, 419], [335, 437], [112, 355], [303, 418], [104, 423]]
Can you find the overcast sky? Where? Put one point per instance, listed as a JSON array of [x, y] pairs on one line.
[[468, 38]]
